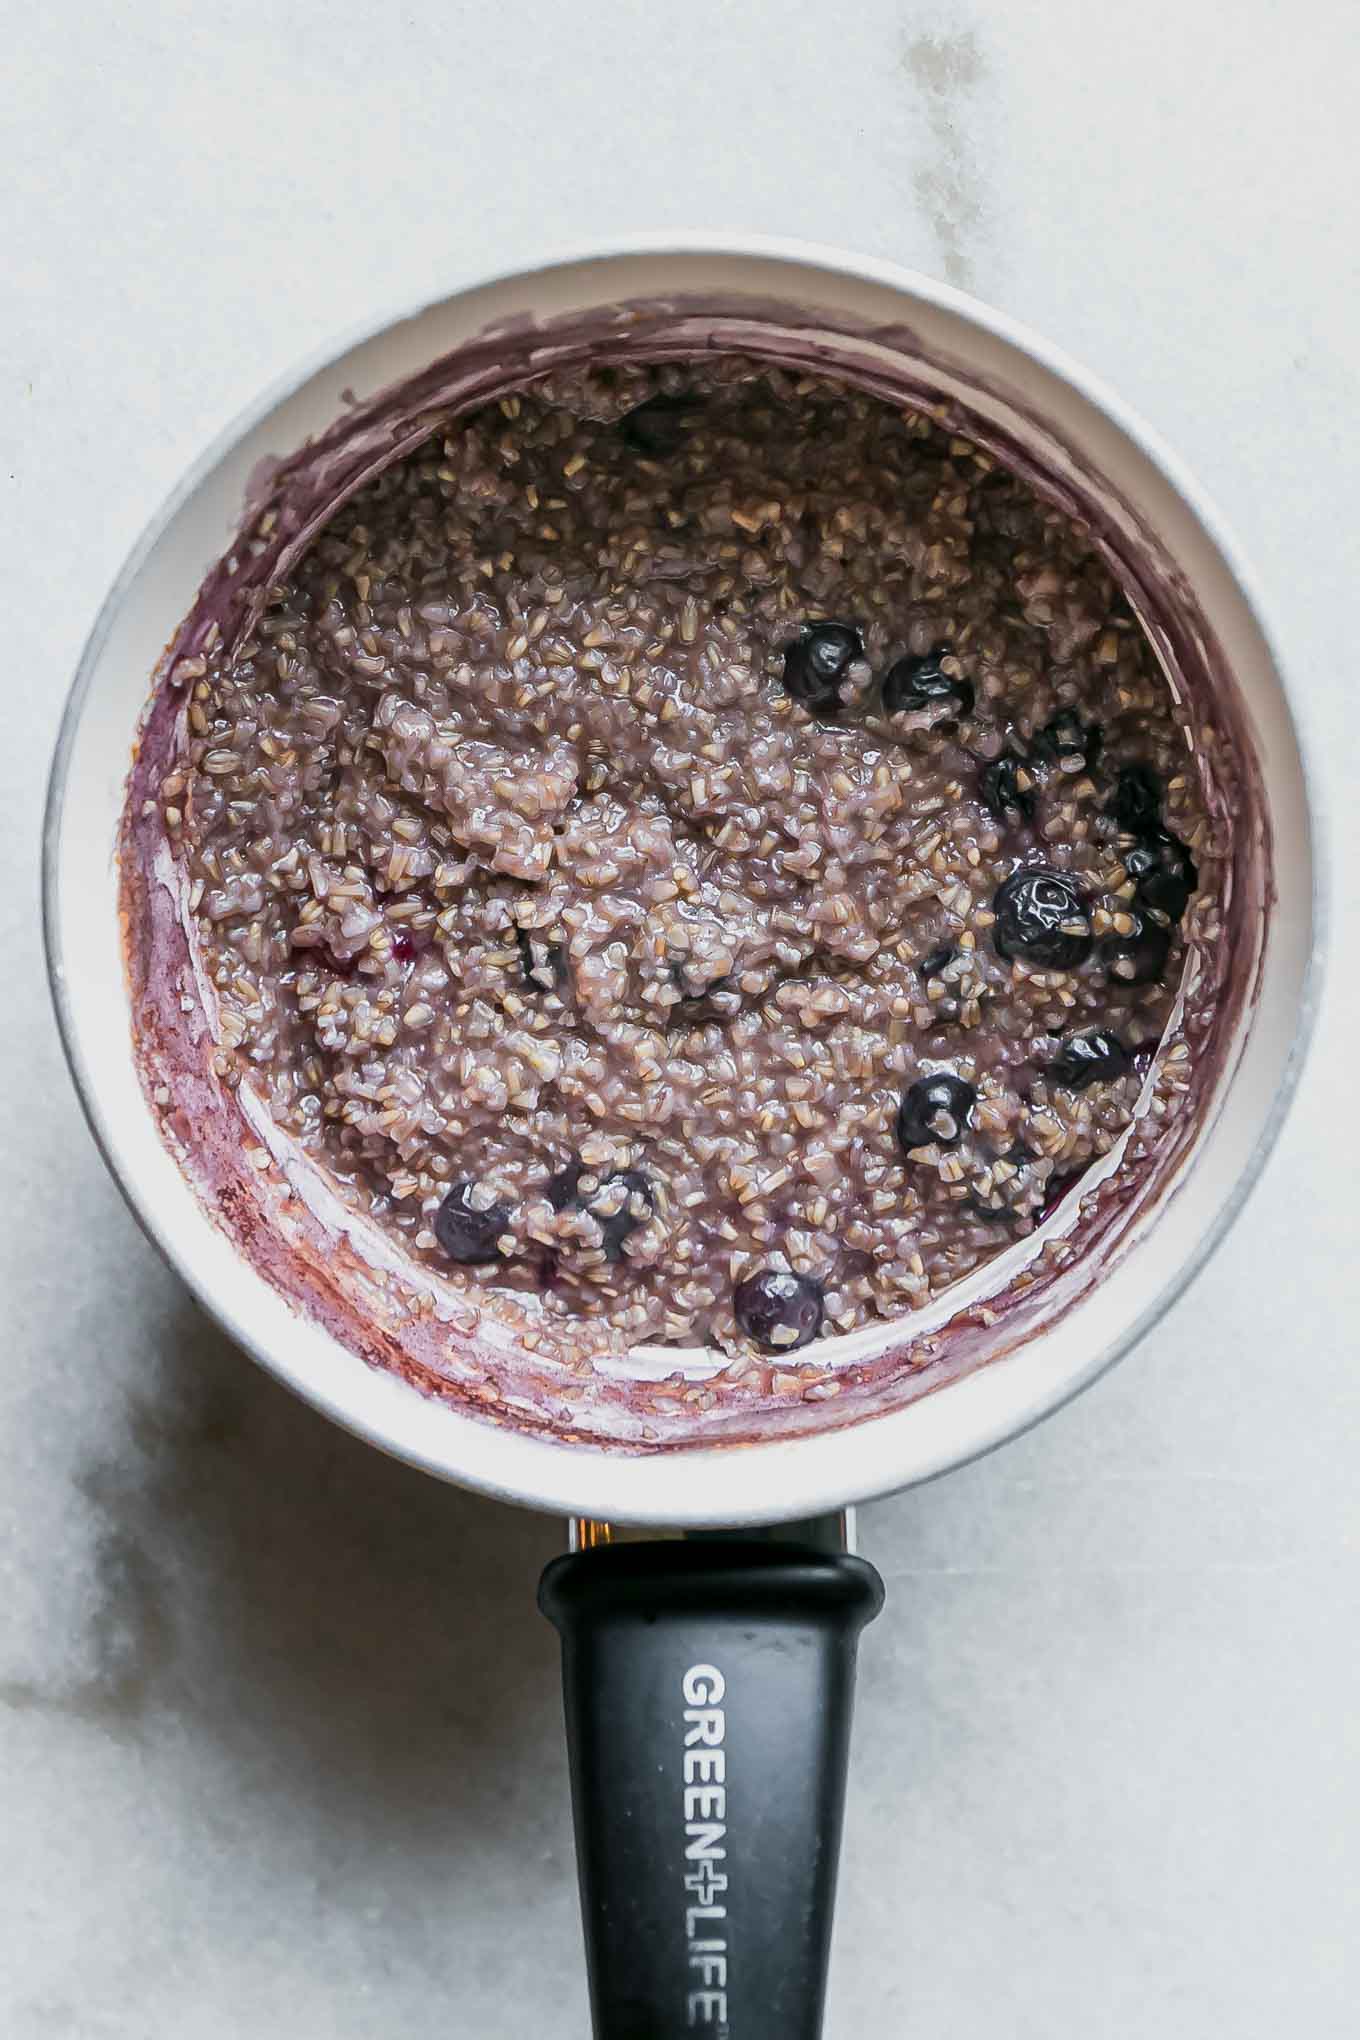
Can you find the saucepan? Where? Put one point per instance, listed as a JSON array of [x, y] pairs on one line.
[[710, 1604]]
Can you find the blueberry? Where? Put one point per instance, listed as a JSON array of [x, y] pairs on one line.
[[466, 1231], [1095, 1058], [921, 683], [937, 1109], [778, 1311], [937, 961], [1069, 742], [1138, 958], [1163, 873], [1057, 1187], [561, 1189], [1137, 802], [944, 1010], [621, 1193], [338, 966], [612, 1204], [540, 960], [1041, 919], [1006, 790], [697, 1004], [658, 426], [815, 663], [1015, 1197]]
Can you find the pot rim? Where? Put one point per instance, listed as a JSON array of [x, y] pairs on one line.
[[612, 1480]]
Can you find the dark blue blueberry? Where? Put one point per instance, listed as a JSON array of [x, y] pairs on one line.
[[1041, 919], [549, 1269], [1163, 873], [994, 1209], [938, 960], [1067, 740], [778, 1311], [625, 1191], [1057, 1187], [619, 1194], [1137, 802], [657, 428], [921, 683], [937, 1109], [1138, 958], [698, 1004], [816, 662], [1018, 1197], [540, 960], [465, 1232], [1001, 791], [1095, 1058], [561, 1190]]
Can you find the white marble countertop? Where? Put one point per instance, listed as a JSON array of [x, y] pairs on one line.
[[280, 1726]]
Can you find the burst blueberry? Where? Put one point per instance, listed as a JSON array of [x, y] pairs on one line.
[[467, 1228], [1094, 1058], [817, 661], [1057, 1187], [936, 1109], [1137, 802], [697, 1002], [778, 1311], [630, 1201], [938, 960], [1068, 742], [1139, 956], [1006, 789], [561, 1188], [1014, 1198], [1163, 873], [1041, 919], [619, 1204], [916, 683], [657, 428], [540, 960]]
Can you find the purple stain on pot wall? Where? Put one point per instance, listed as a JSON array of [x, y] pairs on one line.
[[493, 1354]]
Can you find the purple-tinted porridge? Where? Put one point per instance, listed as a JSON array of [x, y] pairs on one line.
[[701, 846]]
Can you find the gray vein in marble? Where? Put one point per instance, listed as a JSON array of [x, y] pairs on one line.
[[946, 71], [130, 1643]]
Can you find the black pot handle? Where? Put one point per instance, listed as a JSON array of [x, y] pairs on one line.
[[708, 1688]]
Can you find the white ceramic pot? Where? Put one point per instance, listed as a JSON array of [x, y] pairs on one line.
[[904, 332]]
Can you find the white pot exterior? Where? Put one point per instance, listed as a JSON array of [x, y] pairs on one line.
[[756, 1482]]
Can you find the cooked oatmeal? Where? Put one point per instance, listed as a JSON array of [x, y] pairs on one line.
[[699, 845]]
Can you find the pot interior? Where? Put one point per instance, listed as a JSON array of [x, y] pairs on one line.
[[306, 1273]]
